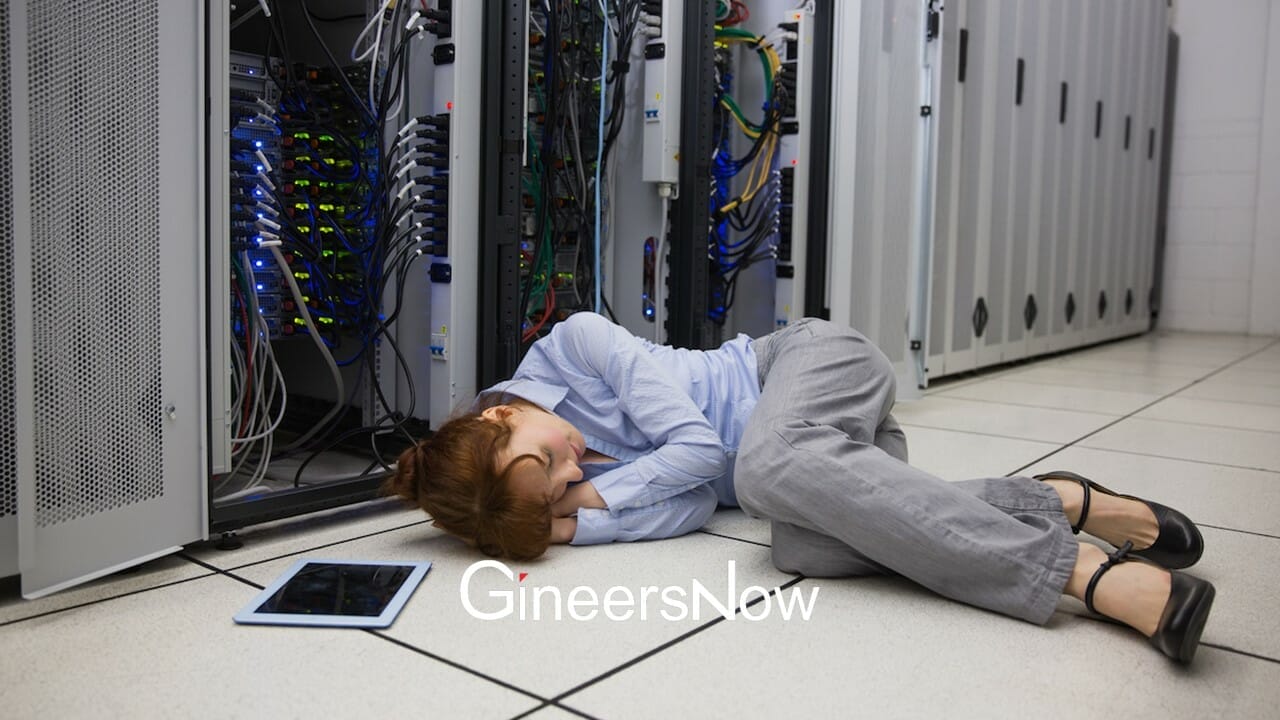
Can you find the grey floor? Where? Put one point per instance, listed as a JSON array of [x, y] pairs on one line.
[[1190, 420]]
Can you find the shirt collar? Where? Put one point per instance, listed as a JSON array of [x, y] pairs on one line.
[[544, 395]]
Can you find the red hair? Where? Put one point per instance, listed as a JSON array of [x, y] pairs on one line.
[[454, 477]]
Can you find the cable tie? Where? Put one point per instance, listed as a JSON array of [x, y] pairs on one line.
[[412, 164], [267, 208], [412, 19], [269, 223], [262, 176]]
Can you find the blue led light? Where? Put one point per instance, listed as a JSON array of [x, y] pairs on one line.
[[258, 263], [261, 287], [258, 167], [257, 143]]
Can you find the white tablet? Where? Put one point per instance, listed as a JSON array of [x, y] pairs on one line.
[[336, 593]]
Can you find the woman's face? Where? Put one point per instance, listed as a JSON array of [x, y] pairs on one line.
[[558, 445]]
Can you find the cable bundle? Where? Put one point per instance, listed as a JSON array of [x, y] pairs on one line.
[[578, 52], [752, 213]]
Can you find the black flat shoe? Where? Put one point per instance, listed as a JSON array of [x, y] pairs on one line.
[[1184, 615], [1178, 544]]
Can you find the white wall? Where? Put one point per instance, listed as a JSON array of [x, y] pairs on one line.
[[1222, 269]]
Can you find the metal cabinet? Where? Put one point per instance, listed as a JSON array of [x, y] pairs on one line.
[[107, 458], [1047, 177]]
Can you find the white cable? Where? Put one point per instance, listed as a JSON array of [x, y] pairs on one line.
[[340, 395], [604, 56], [242, 493], [262, 158], [375, 19], [659, 263], [373, 63]]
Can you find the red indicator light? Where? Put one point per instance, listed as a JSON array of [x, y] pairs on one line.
[[448, 105], [795, 162]]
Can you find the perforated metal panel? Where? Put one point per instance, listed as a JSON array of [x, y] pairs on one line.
[[8, 457], [95, 239]]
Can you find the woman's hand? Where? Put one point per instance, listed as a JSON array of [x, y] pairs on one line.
[[582, 495], [563, 530]]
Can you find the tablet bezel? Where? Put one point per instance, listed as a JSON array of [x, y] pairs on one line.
[[250, 616]]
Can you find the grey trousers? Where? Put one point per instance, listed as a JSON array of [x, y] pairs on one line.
[[825, 462]]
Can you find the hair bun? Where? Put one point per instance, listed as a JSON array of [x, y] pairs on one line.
[[404, 481]]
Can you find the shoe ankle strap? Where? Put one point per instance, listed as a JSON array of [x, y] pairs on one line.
[[1114, 558]]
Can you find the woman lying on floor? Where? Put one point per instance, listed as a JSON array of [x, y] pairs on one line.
[[602, 436]]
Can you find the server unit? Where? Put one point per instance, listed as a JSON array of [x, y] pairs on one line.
[[1048, 175]]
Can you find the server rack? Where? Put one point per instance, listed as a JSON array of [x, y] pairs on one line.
[[1048, 172], [882, 132], [426, 364]]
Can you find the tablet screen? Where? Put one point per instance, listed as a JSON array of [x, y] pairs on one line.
[[322, 588]]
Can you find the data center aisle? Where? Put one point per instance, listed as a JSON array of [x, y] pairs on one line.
[[1190, 420]]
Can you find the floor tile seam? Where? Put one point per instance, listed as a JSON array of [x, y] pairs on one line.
[[457, 665], [1166, 457], [1222, 400], [1031, 405], [733, 537], [1208, 425], [672, 642], [905, 424], [325, 545], [545, 705], [1135, 412], [1040, 406], [398, 642], [1204, 643], [98, 601], [1241, 531], [1179, 459], [1084, 387]]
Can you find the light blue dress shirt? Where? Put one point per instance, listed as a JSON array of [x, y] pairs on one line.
[[672, 417]]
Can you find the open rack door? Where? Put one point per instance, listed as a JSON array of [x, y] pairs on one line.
[[109, 378]]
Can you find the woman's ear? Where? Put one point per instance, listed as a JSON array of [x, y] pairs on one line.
[[497, 413]]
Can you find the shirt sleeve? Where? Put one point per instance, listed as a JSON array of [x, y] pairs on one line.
[[672, 517], [688, 451]]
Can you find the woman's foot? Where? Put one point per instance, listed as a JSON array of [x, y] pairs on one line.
[[1112, 518], [1170, 608], [1161, 534], [1134, 593]]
